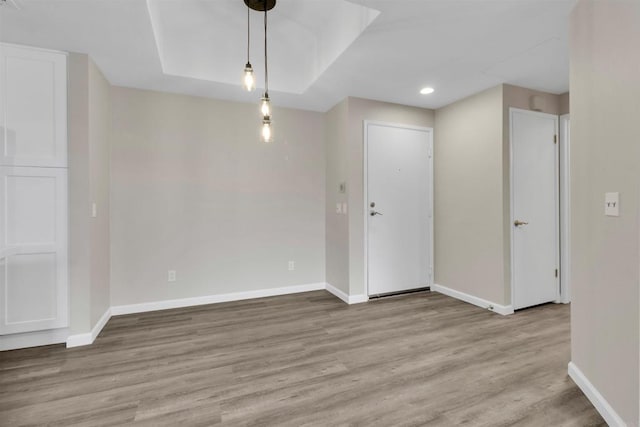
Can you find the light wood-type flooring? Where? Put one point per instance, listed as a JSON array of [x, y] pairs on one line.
[[308, 359]]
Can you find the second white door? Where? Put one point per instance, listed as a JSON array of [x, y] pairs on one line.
[[398, 207], [534, 198]]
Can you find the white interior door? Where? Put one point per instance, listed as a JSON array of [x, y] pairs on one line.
[[33, 249], [398, 207], [534, 198]]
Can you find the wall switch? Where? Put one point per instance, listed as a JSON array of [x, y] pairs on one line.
[[292, 265], [338, 208], [344, 208], [171, 276], [94, 210], [612, 204]]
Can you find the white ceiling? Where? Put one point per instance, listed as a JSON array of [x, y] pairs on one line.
[[320, 51]]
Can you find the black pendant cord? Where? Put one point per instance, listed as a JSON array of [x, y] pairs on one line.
[[266, 68], [248, 33]]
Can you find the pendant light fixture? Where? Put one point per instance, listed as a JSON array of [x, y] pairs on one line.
[[249, 79], [265, 101]]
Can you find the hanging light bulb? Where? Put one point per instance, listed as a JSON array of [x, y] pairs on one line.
[[249, 80], [267, 135], [265, 105], [266, 131]]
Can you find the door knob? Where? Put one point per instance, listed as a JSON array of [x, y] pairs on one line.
[[374, 213], [519, 223]]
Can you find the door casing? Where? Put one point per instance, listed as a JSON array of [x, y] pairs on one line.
[[565, 208]]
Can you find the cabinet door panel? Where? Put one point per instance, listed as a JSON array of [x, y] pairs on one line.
[[31, 288], [33, 249], [33, 107]]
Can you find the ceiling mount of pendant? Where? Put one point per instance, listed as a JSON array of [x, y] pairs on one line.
[[259, 5]]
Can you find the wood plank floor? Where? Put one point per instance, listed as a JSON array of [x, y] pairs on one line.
[[306, 359]]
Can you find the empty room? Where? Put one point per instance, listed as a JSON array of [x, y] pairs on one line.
[[320, 212]]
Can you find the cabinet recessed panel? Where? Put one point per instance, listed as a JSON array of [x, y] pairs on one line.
[[30, 209], [33, 115], [30, 106], [31, 288]]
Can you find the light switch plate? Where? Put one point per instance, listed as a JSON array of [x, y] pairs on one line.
[[338, 208], [94, 210], [344, 208], [612, 204]]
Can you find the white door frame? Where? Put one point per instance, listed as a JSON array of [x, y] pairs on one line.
[[565, 209], [511, 196], [365, 192]]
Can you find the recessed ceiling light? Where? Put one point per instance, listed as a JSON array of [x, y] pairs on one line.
[[426, 90]]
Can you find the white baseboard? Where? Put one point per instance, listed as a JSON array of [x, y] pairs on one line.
[[492, 306], [78, 340], [349, 299], [33, 339], [88, 338], [358, 299], [213, 299], [599, 402]]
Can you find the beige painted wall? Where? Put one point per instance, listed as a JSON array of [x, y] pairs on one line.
[[564, 104], [89, 122], [194, 190], [472, 194], [99, 154], [79, 189], [605, 107], [469, 214], [520, 97], [337, 225]]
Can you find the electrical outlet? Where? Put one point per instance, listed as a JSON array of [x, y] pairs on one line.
[[292, 265], [171, 276]]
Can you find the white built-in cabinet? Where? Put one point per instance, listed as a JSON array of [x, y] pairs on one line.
[[34, 291]]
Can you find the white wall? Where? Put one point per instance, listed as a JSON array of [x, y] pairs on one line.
[[605, 144], [194, 190]]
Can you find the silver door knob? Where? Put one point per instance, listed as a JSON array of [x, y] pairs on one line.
[[519, 223], [374, 213]]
